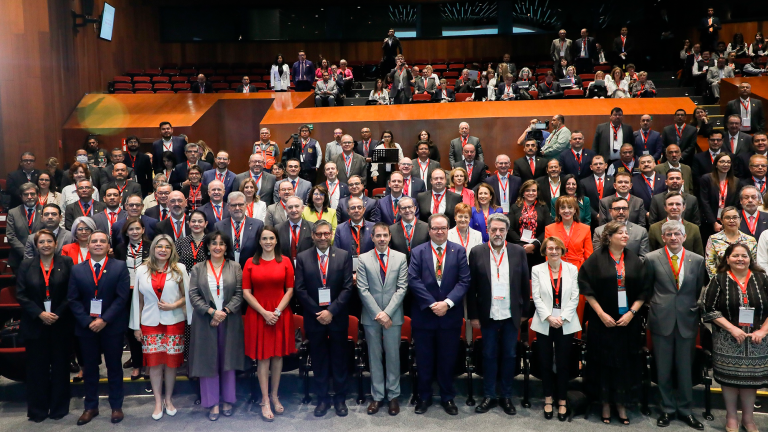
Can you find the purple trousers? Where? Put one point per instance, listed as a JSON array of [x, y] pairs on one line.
[[220, 387]]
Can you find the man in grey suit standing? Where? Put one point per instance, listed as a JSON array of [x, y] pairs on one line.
[[22, 221], [401, 82], [638, 236], [350, 163], [382, 281], [675, 279], [456, 155]]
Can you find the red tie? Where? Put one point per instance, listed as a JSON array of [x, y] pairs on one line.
[[600, 187], [533, 166], [112, 217], [733, 144], [293, 243]]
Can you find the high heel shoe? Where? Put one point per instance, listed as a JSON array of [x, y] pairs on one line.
[[548, 415], [564, 416], [748, 429], [157, 417], [264, 416], [736, 429], [279, 408]]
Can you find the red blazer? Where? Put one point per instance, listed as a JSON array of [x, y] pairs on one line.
[[72, 250], [580, 244]]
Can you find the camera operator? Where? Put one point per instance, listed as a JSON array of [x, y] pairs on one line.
[[307, 150], [536, 131]]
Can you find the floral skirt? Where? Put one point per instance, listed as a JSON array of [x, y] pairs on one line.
[[163, 345]]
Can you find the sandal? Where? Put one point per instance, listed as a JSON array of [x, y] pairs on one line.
[[279, 408], [624, 421], [266, 412]]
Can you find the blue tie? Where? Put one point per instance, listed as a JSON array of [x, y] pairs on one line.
[[381, 269], [293, 183]]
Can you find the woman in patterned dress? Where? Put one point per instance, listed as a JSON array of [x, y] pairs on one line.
[[718, 243]]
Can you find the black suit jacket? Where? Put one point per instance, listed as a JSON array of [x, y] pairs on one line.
[[438, 96], [479, 173], [688, 146], [479, 295], [398, 242], [177, 147], [251, 229], [179, 174], [13, 183], [207, 86], [550, 92], [702, 164], [210, 215], [709, 197], [30, 293], [142, 167], [640, 188], [465, 86], [569, 164], [425, 205], [131, 188], [760, 226], [629, 46], [390, 51], [371, 210], [113, 290], [513, 187], [657, 211], [545, 193], [360, 147], [591, 49], [166, 227], [155, 212], [251, 88], [305, 237], [149, 229], [590, 190], [73, 212], [741, 170], [522, 170], [339, 281], [601, 144], [757, 115]]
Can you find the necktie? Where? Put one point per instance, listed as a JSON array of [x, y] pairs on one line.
[[751, 219], [178, 227], [87, 208], [533, 165], [357, 236], [439, 266], [600, 187], [578, 159], [323, 257], [165, 214], [237, 237], [112, 217], [397, 200], [469, 170], [436, 199], [650, 190], [30, 212], [676, 268], [733, 144], [218, 211], [381, 269], [96, 268], [295, 229], [219, 177], [407, 183], [293, 183], [408, 237]]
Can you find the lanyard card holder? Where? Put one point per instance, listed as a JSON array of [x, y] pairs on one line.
[[323, 296], [96, 307], [746, 316]]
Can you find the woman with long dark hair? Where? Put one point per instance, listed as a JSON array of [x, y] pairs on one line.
[[718, 190], [380, 172], [434, 152], [738, 46], [379, 93], [528, 219], [280, 75]]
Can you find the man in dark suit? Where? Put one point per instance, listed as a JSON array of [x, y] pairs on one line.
[[550, 186], [303, 73], [192, 153], [648, 183], [25, 174], [349, 163], [684, 136], [412, 185], [438, 280], [51, 220], [401, 78], [477, 171], [752, 119], [161, 210], [623, 183], [675, 183], [497, 306], [354, 235], [443, 93], [356, 190], [424, 165], [168, 142], [21, 222], [702, 162], [710, 28], [506, 186], [324, 288], [215, 210], [647, 141], [584, 52], [265, 182], [759, 147], [758, 166], [674, 205], [85, 206], [753, 222], [506, 90], [610, 136], [115, 157], [202, 85], [296, 233], [734, 140], [125, 187], [176, 225], [438, 200], [577, 160], [365, 146], [456, 154], [409, 232], [389, 51], [598, 185], [465, 83], [624, 47], [113, 213], [549, 89], [530, 166], [245, 232], [221, 173], [389, 204], [99, 290], [133, 207], [246, 86], [142, 166]]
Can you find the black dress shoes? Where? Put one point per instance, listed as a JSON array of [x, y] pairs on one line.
[[506, 405], [394, 407], [321, 409], [663, 420], [691, 421], [564, 416], [450, 407], [373, 408], [422, 406], [485, 405], [341, 408]]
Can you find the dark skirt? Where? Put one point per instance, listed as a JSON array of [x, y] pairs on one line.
[[739, 365], [614, 364]]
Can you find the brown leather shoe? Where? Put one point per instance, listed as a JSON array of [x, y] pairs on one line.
[[374, 406], [394, 407], [117, 416], [87, 416]]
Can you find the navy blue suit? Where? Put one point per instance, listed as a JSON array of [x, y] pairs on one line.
[[641, 190], [387, 214], [760, 226], [371, 210], [229, 180], [115, 294], [654, 146], [416, 187], [251, 235], [149, 229], [513, 188], [437, 338], [177, 147], [344, 240], [210, 215], [569, 165], [179, 174]]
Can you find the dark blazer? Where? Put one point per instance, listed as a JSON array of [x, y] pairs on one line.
[[710, 197], [113, 290], [757, 115], [438, 96], [177, 147], [155, 212], [251, 88], [693, 241], [339, 281], [343, 238], [229, 180], [742, 165], [591, 49], [406, 88], [73, 211], [543, 218], [743, 144], [131, 188], [465, 86], [479, 173], [179, 175], [479, 296], [415, 187], [360, 147], [149, 229], [513, 187], [267, 190], [636, 210], [309, 71], [424, 200], [601, 144], [569, 164], [391, 50], [142, 168], [121, 251], [640, 188], [590, 190], [166, 227], [702, 163], [305, 237], [545, 193], [207, 86], [750, 182], [687, 143], [654, 146], [629, 46], [251, 234], [657, 211], [106, 176], [426, 291], [204, 192], [30, 293], [15, 180], [550, 92], [102, 221], [210, 216], [522, 170], [371, 210], [501, 88], [398, 242], [760, 226], [386, 212]]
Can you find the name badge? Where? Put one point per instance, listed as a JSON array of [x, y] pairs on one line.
[[646, 152], [499, 293], [354, 262], [746, 317], [562, 53], [302, 157], [719, 212], [746, 123], [556, 312], [527, 236], [505, 207], [323, 296], [96, 308], [622, 299], [47, 305], [389, 167]]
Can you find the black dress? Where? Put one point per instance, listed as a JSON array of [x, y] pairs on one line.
[[614, 363], [543, 218]]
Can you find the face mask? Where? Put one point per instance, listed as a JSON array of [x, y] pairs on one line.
[[83, 159]]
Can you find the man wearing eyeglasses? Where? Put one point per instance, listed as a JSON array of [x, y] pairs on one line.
[[408, 232], [85, 206], [192, 152], [176, 224], [22, 222], [703, 162], [355, 185], [25, 174], [244, 231], [133, 207], [355, 234], [759, 147], [753, 222], [51, 221], [638, 236], [675, 208]]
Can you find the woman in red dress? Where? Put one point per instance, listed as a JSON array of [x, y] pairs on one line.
[[269, 330]]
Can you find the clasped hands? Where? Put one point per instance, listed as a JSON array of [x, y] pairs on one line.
[[740, 336], [218, 318], [383, 319]]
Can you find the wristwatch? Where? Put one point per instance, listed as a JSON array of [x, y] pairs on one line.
[[277, 312], [634, 312]]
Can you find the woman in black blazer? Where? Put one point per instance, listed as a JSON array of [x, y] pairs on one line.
[[711, 185], [520, 219], [434, 152], [196, 188], [48, 328]]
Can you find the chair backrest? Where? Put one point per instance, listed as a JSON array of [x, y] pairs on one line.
[[533, 93], [405, 329], [125, 91], [179, 79], [7, 298], [461, 97], [117, 79], [181, 86], [574, 92], [353, 329], [123, 86], [378, 191], [164, 91], [161, 79], [422, 97], [260, 85], [142, 86], [141, 79], [298, 322], [162, 86]]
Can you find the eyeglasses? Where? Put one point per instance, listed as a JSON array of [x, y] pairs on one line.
[[322, 234], [439, 229], [133, 205], [673, 234], [620, 209], [730, 218], [407, 208], [237, 205]]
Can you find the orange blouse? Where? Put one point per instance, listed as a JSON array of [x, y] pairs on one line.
[[72, 250], [578, 244]]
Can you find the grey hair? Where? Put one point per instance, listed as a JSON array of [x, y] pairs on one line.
[[464, 123], [84, 220], [741, 192], [404, 198], [673, 225], [27, 186], [164, 184], [190, 145], [499, 217], [156, 179], [236, 194], [321, 223]]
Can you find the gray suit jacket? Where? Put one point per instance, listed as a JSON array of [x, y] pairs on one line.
[[17, 232], [275, 215], [743, 143], [358, 167], [657, 211], [636, 210], [302, 190], [456, 155], [321, 86], [668, 305], [557, 46], [638, 239], [374, 295], [63, 238], [267, 190], [713, 75]]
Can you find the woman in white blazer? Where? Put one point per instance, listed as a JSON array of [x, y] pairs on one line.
[[280, 75], [160, 300], [555, 289]]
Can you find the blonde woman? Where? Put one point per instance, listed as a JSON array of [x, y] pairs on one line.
[[617, 85], [458, 184], [254, 206]]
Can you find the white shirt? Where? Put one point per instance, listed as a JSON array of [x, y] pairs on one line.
[[151, 315], [423, 169], [503, 197], [615, 143], [745, 114], [320, 254], [93, 263], [333, 189], [434, 264], [500, 308], [232, 226], [441, 206], [552, 187], [134, 263], [217, 299], [177, 227], [475, 238], [257, 178]]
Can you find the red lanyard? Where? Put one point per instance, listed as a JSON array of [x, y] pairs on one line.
[[619, 269], [195, 250], [395, 209], [217, 213], [723, 192], [751, 226], [436, 207], [559, 281], [366, 146], [319, 214], [177, 234], [347, 165], [554, 191], [743, 288], [82, 209], [423, 169], [356, 236], [237, 232], [461, 240], [194, 193], [134, 252], [623, 41], [323, 268], [679, 265], [577, 156], [121, 189], [745, 105], [303, 145], [132, 159], [113, 216], [257, 179], [629, 170], [650, 184], [158, 281], [441, 257], [41, 202], [381, 264], [97, 279], [615, 132], [47, 277], [679, 130], [80, 255], [170, 146], [628, 196], [407, 236], [530, 211], [217, 277], [30, 219], [407, 183], [503, 186], [249, 209], [645, 137], [328, 187], [493, 254], [295, 236]]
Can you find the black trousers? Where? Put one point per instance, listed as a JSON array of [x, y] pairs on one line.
[[303, 86], [48, 373], [436, 352], [559, 345], [134, 345], [321, 344], [111, 345]]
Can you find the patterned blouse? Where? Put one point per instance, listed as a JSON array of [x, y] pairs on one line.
[[186, 256], [718, 243]]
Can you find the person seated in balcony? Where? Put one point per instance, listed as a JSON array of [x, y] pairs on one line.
[[526, 77], [570, 73], [753, 69], [731, 63], [506, 90], [738, 46], [326, 90], [324, 67], [465, 84], [444, 94], [345, 75], [598, 91], [246, 86], [550, 89], [560, 68], [487, 92], [643, 87], [616, 85], [202, 86], [379, 93], [714, 75]]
